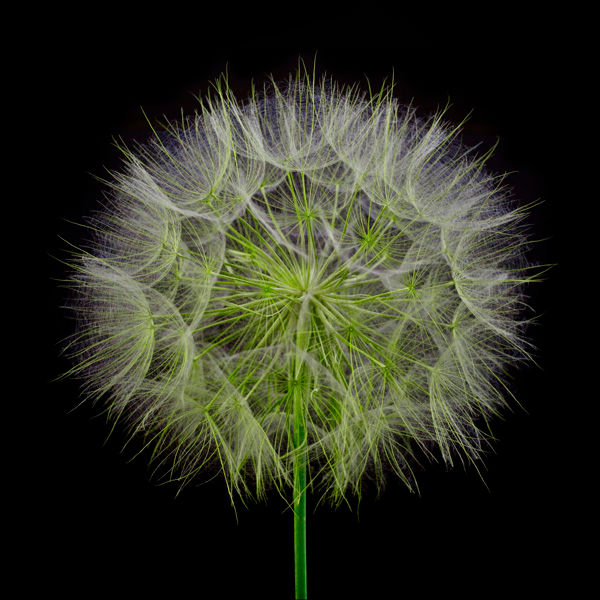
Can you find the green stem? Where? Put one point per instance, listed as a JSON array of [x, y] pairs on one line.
[[300, 505], [300, 383]]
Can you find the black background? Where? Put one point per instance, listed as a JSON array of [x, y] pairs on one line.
[[97, 523]]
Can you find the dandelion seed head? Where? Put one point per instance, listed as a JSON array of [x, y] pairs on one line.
[[311, 241]]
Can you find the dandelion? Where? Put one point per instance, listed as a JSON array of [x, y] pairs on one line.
[[303, 288]]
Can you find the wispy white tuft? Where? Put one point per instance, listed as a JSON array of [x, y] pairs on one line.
[[311, 256]]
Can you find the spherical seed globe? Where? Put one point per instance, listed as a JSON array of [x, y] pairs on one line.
[[311, 275]]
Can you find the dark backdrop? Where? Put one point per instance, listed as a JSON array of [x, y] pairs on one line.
[[100, 524]]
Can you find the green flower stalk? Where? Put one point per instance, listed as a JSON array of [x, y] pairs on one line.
[[302, 288]]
